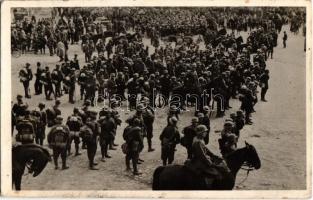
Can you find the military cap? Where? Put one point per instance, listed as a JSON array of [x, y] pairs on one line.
[[87, 102], [200, 115], [194, 120], [19, 96], [59, 118], [239, 113], [173, 120], [232, 115], [27, 64], [228, 123], [57, 102], [41, 105], [201, 129], [206, 108], [173, 108], [140, 107]]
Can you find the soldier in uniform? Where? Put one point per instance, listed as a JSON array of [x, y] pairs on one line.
[[26, 128], [148, 119], [74, 123], [47, 82], [41, 126], [52, 113], [26, 76], [189, 133], [57, 78], [72, 86], [108, 128], [58, 139], [169, 139], [89, 133], [18, 110], [82, 82], [134, 141], [38, 84], [264, 84]]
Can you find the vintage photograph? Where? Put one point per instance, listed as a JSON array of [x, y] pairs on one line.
[[158, 98]]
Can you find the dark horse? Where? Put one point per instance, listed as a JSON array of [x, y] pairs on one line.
[[28, 154], [178, 177]]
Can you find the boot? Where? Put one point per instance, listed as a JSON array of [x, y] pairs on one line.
[[77, 150], [150, 149], [56, 163], [64, 165]]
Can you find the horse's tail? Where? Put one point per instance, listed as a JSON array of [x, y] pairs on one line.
[[156, 178]]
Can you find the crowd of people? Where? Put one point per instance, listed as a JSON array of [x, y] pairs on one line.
[[185, 72]]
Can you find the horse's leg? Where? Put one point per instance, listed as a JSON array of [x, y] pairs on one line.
[[17, 180]]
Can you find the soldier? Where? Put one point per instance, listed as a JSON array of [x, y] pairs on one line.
[[38, 84], [91, 89], [264, 84], [148, 119], [58, 139], [82, 79], [107, 132], [189, 133], [18, 110], [285, 39], [26, 76], [239, 122], [52, 113], [47, 82], [26, 129], [205, 123], [89, 133], [72, 86], [57, 78], [41, 126], [169, 139], [74, 123], [204, 162], [133, 137], [247, 100]]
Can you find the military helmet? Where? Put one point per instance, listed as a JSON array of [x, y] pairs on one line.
[[201, 129]]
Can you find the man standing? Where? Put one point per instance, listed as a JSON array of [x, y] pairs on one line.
[[41, 126], [169, 139], [58, 138], [89, 133], [148, 119], [107, 133], [38, 84], [26, 76], [74, 123], [285, 37], [133, 138], [264, 84], [189, 133]]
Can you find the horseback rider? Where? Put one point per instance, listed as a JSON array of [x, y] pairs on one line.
[[204, 162], [58, 138]]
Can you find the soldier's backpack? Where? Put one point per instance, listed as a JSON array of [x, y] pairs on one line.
[[73, 123], [25, 131], [86, 134], [50, 117], [59, 137]]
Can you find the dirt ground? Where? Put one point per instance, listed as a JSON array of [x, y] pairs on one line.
[[278, 133]]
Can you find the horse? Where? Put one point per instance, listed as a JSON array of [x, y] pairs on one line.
[[178, 177], [28, 154]]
